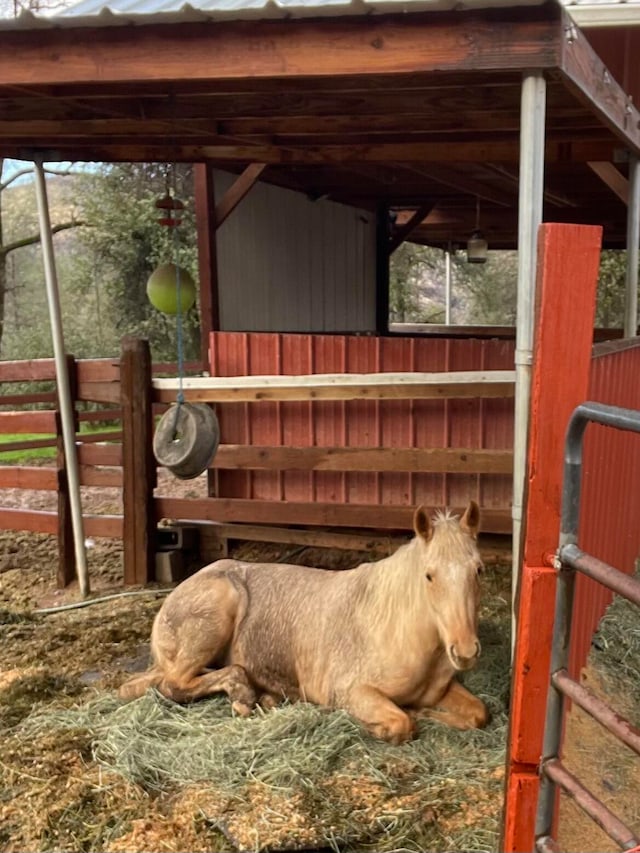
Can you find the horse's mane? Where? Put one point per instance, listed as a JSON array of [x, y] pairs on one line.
[[400, 577]]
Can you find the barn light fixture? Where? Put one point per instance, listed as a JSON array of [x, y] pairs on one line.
[[477, 246]]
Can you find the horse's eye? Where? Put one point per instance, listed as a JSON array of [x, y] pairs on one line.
[[428, 577]]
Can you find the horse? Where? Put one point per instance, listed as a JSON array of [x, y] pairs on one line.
[[384, 641]]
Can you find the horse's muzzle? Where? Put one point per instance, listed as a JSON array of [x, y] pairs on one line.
[[464, 657]]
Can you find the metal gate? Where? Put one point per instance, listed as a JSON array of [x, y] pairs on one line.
[[569, 560]]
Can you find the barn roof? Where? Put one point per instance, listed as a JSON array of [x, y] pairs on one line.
[[412, 104]]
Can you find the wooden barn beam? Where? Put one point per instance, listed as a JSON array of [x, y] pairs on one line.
[[409, 44], [586, 75], [204, 193], [409, 152]]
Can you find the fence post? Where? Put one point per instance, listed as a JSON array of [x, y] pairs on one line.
[[66, 546], [138, 463], [568, 260]]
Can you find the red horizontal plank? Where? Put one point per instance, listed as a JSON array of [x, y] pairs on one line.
[[98, 370], [31, 520], [100, 454], [26, 477], [29, 399], [324, 514], [26, 422], [105, 477], [108, 526], [37, 369], [28, 444], [99, 392]]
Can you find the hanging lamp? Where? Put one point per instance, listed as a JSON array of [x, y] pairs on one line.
[[477, 246]]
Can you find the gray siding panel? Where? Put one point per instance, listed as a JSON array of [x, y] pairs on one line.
[[286, 263]]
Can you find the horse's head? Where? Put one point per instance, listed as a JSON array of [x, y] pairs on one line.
[[450, 562]]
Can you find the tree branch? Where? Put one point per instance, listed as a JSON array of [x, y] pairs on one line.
[[35, 238]]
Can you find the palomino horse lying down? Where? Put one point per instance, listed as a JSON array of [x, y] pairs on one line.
[[383, 640]]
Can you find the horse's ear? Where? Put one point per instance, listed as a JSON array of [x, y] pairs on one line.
[[422, 524], [470, 521]]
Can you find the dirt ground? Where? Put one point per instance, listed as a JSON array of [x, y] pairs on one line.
[[52, 793]]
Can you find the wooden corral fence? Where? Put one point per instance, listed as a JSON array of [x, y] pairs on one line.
[[368, 428]]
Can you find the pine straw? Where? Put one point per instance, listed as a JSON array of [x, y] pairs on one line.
[[301, 776]]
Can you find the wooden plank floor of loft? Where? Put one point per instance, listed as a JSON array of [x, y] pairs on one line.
[[339, 386]]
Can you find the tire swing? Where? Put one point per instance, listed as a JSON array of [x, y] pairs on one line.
[[187, 435]]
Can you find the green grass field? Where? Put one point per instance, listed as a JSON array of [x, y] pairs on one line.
[[28, 455]]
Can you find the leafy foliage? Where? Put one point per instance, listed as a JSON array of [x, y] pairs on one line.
[[483, 294], [123, 247], [102, 265]]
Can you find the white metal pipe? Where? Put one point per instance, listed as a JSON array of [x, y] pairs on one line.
[[62, 378], [633, 242], [447, 287], [532, 138]]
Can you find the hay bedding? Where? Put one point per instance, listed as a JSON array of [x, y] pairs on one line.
[[80, 771], [152, 775]]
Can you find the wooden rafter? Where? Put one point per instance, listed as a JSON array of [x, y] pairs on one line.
[[403, 232], [613, 178], [237, 191], [587, 75]]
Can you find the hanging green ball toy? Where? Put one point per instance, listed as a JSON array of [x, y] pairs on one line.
[[163, 288]]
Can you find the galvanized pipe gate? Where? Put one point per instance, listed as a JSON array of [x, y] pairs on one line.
[[569, 560]]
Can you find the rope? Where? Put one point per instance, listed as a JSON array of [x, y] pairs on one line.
[[179, 330]]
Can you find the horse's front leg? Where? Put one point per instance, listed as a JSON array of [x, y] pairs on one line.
[[457, 707], [382, 717]]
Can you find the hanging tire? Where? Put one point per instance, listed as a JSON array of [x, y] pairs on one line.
[[186, 439]]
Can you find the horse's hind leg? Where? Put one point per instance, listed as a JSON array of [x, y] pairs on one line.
[[231, 680]]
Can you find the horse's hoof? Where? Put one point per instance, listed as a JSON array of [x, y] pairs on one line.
[[268, 702], [241, 709], [397, 733]]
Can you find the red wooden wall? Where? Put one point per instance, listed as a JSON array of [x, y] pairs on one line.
[[610, 512], [471, 423]]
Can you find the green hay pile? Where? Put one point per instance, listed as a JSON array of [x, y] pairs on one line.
[[615, 650], [300, 777]]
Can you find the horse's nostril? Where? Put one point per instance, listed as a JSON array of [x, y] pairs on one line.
[[478, 648]]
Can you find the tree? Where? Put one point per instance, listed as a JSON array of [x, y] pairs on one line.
[[412, 296], [611, 289], [124, 245], [22, 233]]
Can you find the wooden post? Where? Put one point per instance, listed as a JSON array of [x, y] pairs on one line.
[[138, 463], [382, 269], [568, 260], [207, 259], [66, 548]]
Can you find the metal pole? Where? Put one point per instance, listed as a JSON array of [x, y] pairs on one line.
[[62, 378], [633, 241], [532, 136], [447, 287]]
